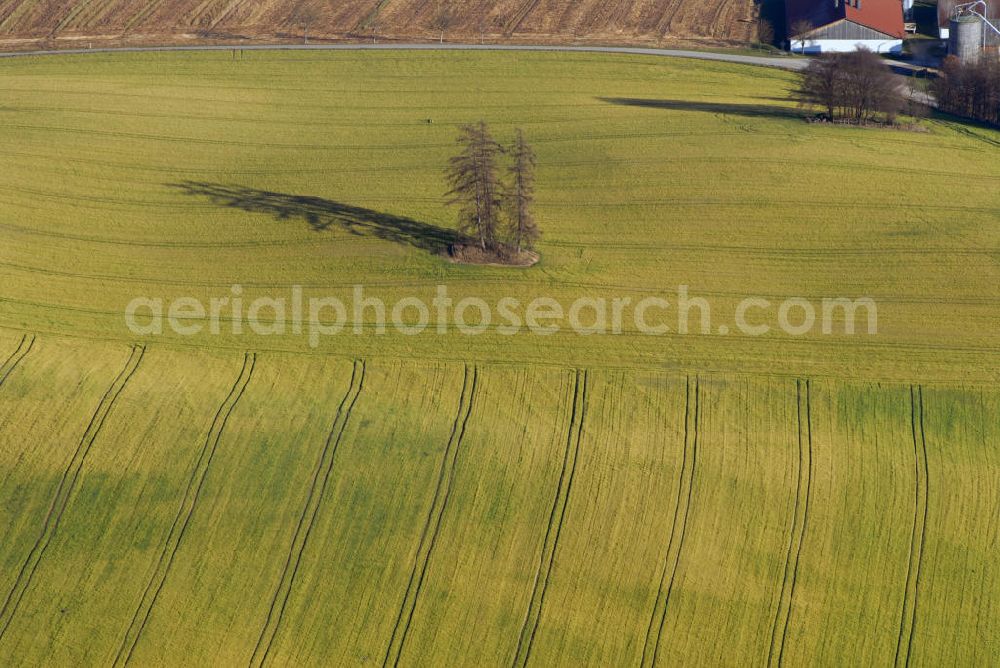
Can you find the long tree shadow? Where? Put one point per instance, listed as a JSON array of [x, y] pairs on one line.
[[324, 214], [751, 110]]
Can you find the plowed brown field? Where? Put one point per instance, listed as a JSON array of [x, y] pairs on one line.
[[37, 22]]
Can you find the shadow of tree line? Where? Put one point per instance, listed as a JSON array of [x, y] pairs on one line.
[[735, 109], [324, 214]]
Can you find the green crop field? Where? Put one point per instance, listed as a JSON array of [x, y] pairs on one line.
[[375, 498]]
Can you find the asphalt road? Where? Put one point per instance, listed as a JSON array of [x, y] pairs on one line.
[[782, 62], [787, 62]]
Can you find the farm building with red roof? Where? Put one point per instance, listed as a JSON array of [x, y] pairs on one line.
[[820, 26]]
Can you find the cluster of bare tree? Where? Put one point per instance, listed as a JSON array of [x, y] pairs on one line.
[[496, 212], [855, 87], [969, 89]]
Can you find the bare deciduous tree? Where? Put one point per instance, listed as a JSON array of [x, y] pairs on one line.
[[765, 32], [442, 20], [820, 85], [855, 87], [800, 30], [304, 15], [969, 89], [521, 194], [475, 185]]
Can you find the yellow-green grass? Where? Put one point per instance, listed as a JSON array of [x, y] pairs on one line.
[[47, 402], [719, 185], [490, 547], [489, 500], [857, 545], [962, 434], [359, 557], [111, 534], [257, 484], [493, 513], [739, 520], [621, 513]]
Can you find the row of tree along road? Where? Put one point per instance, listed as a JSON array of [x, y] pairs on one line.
[[857, 88], [854, 87], [969, 89]]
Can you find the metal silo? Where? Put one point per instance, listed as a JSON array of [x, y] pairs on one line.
[[965, 39]]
